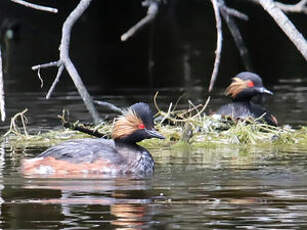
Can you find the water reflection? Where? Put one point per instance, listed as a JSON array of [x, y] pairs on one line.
[[214, 187], [222, 187], [122, 202]]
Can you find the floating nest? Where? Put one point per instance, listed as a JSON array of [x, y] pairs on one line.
[[191, 126]]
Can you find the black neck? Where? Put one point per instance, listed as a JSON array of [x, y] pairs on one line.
[[124, 141], [242, 99]]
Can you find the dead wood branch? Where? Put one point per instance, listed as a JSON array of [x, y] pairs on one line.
[[56, 80], [221, 9], [275, 9], [233, 12], [66, 62], [35, 6], [109, 106], [153, 8], [219, 40], [228, 15], [300, 7], [50, 64], [2, 102], [286, 25], [83, 129]]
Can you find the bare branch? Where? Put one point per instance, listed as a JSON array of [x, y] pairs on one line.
[[35, 6], [286, 25], [56, 80], [109, 106], [235, 32], [50, 64], [2, 102], [66, 62], [300, 7], [81, 128], [64, 56], [234, 12], [153, 8], [219, 39]]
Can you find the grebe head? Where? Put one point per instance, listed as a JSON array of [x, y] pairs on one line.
[[136, 124], [245, 85]]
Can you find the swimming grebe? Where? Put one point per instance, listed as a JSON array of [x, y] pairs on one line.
[[118, 156], [244, 86]]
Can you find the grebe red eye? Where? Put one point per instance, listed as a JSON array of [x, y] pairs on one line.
[[141, 126], [250, 84]]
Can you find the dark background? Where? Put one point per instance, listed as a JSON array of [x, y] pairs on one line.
[[183, 38]]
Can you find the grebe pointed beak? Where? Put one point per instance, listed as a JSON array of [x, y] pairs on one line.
[[264, 90], [154, 134]]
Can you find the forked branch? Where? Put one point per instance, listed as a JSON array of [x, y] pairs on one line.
[[65, 61]]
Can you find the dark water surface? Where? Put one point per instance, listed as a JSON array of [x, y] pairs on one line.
[[226, 187]]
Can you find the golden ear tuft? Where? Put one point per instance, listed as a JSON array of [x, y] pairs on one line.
[[126, 124], [236, 87]]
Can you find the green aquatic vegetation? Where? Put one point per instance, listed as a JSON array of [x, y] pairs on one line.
[[181, 129], [213, 130]]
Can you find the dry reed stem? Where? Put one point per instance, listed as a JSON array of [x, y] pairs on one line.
[[14, 127]]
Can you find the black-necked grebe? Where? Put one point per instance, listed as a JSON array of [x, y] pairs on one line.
[[118, 156], [244, 86]]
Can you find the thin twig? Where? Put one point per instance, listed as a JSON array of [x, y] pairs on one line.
[[190, 110], [218, 43], [177, 101], [40, 78], [24, 121], [14, 127], [190, 118], [166, 115], [35, 6], [203, 109], [2, 102], [153, 8], [155, 101]]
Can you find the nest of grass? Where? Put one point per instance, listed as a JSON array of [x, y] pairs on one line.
[[191, 126]]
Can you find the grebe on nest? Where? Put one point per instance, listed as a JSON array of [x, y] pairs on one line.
[[244, 86], [101, 156]]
